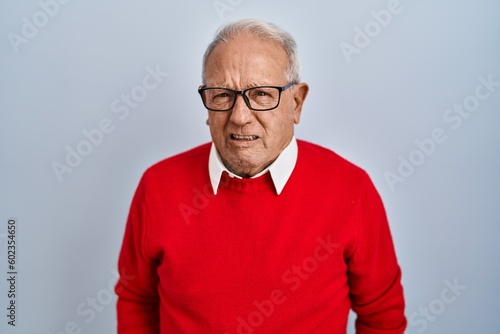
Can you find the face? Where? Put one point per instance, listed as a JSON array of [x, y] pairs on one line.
[[249, 141]]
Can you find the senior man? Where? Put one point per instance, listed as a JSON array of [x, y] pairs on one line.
[[256, 232]]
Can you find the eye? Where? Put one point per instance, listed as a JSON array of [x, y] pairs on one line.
[[220, 95], [261, 93]]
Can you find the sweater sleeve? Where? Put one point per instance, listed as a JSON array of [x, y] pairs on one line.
[[138, 301], [373, 272]]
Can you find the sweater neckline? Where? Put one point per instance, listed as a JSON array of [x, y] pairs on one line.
[[247, 185]]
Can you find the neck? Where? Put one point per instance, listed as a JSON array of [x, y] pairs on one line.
[[246, 172]]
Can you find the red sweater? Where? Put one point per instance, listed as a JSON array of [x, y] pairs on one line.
[[250, 261]]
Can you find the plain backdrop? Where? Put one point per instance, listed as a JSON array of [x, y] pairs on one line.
[[412, 97]]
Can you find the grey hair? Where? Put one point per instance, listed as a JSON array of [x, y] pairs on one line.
[[265, 31]]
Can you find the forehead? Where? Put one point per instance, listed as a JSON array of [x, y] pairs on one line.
[[247, 58]]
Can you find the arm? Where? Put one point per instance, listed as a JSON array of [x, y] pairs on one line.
[[137, 306], [373, 272]]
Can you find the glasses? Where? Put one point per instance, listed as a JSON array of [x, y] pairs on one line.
[[260, 98]]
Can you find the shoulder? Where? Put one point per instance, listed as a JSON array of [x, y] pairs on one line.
[[189, 162], [322, 158], [322, 163]]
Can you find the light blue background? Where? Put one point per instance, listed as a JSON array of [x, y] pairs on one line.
[[444, 216]]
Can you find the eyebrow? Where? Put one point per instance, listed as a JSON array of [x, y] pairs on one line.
[[252, 85]]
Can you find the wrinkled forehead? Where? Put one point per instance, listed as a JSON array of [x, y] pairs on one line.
[[245, 58]]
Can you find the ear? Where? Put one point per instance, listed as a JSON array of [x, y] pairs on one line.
[[299, 96]]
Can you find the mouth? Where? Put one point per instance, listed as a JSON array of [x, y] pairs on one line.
[[243, 137]]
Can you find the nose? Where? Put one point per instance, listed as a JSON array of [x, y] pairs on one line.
[[241, 114]]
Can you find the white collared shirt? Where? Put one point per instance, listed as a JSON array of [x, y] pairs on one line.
[[280, 169]]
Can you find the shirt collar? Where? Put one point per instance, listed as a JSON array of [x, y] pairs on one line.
[[280, 169]]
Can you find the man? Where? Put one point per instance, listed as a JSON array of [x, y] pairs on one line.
[[257, 232]]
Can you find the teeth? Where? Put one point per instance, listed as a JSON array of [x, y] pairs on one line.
[[237, 137]]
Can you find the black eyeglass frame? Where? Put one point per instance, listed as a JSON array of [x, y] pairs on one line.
[[245, 98]]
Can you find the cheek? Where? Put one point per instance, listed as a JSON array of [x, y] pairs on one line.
[[288, 115], [286, 119], [216, 124]]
